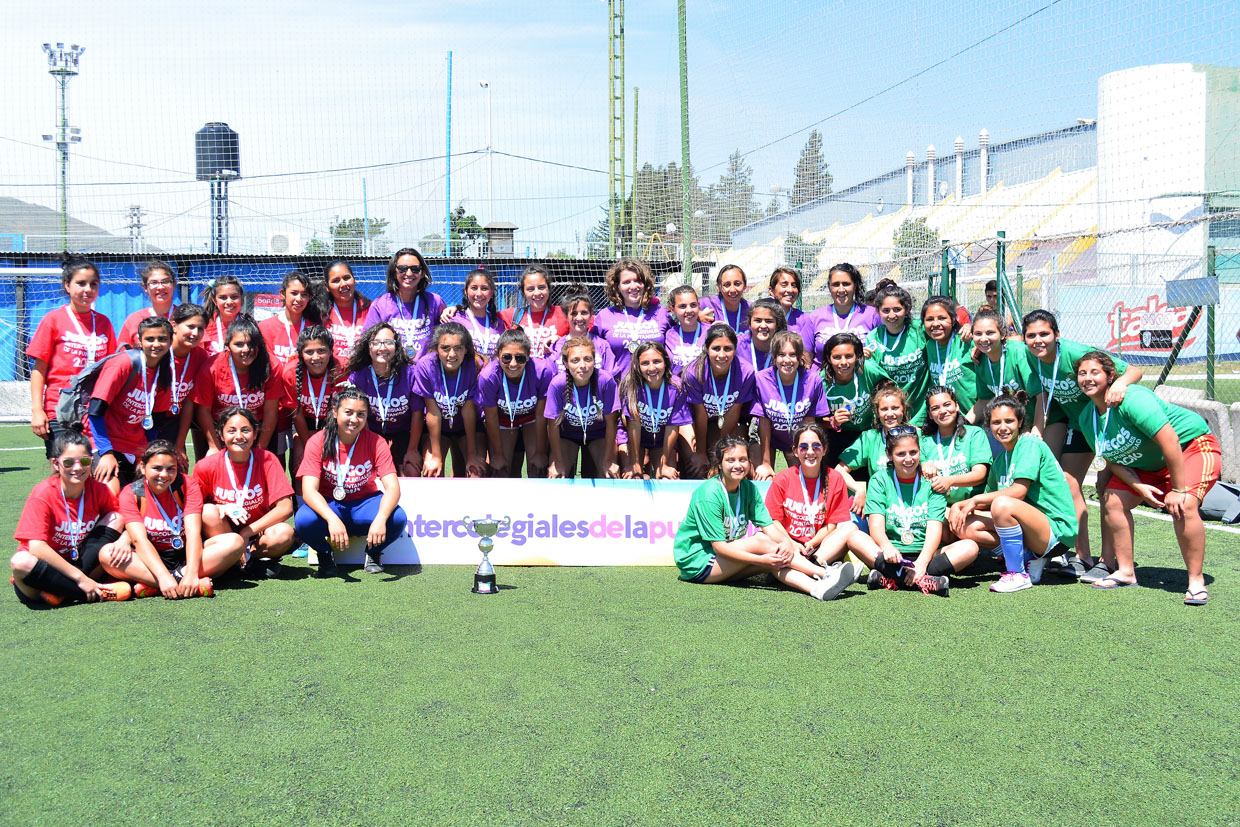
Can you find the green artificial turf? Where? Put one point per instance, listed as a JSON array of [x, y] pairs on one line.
[[623, 696]]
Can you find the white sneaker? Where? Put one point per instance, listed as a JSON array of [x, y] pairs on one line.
[[839, 577], [1035, 567], [1012, 581]]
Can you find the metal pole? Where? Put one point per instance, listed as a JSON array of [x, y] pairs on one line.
[[1020, 293], [490, 163], [1210, 354], [447, 198], [686, 213], [1001, 268], [365, 221], [63, 146], [633, 186], [1179, 345], [943, 267]]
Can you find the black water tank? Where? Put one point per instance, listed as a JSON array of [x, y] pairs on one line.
[[217, 151]]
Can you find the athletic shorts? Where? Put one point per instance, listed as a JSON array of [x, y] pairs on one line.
[[705, 573], [1075, 443], [1203, 463], [837, 443]]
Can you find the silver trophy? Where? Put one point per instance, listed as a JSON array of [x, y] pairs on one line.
[[484, 577]]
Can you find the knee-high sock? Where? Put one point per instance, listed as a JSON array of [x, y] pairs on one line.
[[47, 579], [1012, 543]]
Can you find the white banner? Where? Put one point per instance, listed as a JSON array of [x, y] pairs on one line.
[[555, 522]]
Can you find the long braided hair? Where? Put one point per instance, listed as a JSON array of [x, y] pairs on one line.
[[570, 343], [330, 436]]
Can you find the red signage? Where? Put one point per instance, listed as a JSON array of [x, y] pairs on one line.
[[1151, 326]]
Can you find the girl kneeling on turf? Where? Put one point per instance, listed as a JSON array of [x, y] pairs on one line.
[[1028, 498], [68, 521], [906, 516], [1158, 453], [811, 503], [163, 515], [245, 492], [713, 546], [349, 487]]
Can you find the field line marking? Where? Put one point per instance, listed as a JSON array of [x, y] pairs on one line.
[[1167, 519]]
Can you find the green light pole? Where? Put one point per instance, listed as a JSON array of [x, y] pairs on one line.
[[686, 212]]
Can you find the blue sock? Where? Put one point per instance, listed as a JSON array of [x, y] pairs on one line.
[[1012, 543]]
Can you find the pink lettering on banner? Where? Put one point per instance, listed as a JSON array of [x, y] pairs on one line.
[[1125, 324], [554, 527]]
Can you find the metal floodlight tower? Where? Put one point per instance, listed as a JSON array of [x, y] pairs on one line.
[[62, 64], [217, 157]]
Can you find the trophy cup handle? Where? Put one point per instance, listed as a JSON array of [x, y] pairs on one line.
[[506, 524]]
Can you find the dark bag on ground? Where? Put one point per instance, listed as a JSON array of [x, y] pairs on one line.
[[1222, 503]]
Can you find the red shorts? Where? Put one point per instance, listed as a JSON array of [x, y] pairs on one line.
[[1203, 463]]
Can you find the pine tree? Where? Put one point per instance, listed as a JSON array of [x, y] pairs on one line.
[[812, 178]]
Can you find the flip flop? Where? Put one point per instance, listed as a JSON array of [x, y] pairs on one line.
[[1196, 598], [1111, 582]]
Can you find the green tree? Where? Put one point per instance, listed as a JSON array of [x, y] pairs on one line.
[[915, 250], [465, 229], [317, 247], [803, 255], [349, 237], [731, 202], [812, 178]]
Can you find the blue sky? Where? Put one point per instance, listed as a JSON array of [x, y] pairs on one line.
[[326, 86]]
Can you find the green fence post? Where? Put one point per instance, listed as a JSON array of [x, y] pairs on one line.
[[1001, 269], [1020, 292], [943, 265]]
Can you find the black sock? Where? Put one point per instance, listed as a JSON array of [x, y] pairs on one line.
[[940, 564], [47, 579], [886, 567], [94, 542]]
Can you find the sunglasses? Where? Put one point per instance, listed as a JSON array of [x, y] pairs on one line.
[[405, 269], [901, 430], [75, 462], [808, 447], [510, 358]]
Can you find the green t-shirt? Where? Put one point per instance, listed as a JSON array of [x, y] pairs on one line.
[[958, 456], [953, 367], [915, 505], [1069, 400], [868, 452], [1128, 431], [856, 393], [712, 518], [903, 358], [1010, 373], [1032, 460]]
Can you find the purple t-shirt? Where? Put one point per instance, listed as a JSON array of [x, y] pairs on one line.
[[415, 322], [657, 411], [516, 406], [717, 395], [485, 334], [736, 321], [449, 392], [584, 409], [801, 323], [683, 348], [603, 358], [827, 323], [392, 404], [747, 352], [622, 327], [772, 399]]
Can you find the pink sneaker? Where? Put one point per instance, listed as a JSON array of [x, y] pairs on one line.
[[1012, 581]]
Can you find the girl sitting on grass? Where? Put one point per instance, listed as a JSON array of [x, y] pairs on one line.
[[713, 546], [906, 517]]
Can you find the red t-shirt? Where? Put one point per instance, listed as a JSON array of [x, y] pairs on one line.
[[311, 388], [45, 517], [281, 338], [787, 505], [129, 330], [122, 389], [346, 327], [157, 530], [65, 342], [215, 387], [372, 460], [268, 484], [212, 341], [187, 371], [542, 328]]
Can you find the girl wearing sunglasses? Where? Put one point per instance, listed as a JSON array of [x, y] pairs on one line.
[[408, 305], [68, 521], [811, 503], [512, 391], [380, 368]]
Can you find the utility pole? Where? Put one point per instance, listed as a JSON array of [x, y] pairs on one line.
[[135, 229], [633, 191], [686, 211], [62, 65]]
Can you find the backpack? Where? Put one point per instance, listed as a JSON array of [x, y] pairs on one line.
[[138, 487], [74, 399], [1222, 503]]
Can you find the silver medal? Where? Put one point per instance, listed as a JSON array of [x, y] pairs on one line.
[[1098, 464], [907, 537], [147, 423], [238, 515], [177, 542], [720, 422], [338, 492], [176, 409]]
